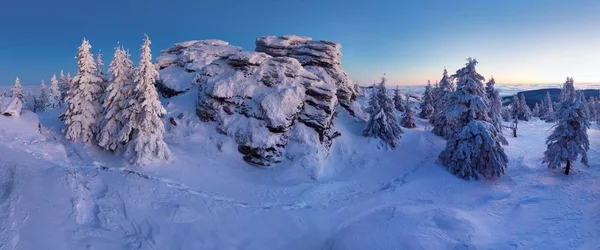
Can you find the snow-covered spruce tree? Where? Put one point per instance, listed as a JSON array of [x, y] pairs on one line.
[[29, 101], [54, 98], [536, 110], [514, 107], [63, 85], [427, 103], [474, 151], [524, 110], [408, 118], [17, 90], [547, 110], [41, 103], [115, 100], [143, 115], [398, 101], [441, 125], [100, 70], [569, 138], [506, 114], [382, 118], [495, 108], [83, 98], [586, 106]]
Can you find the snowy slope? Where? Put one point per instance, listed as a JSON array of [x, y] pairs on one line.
[[57, 195]]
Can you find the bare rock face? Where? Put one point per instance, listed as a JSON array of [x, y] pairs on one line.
[[259, 99], [322, 58], [180, 64]]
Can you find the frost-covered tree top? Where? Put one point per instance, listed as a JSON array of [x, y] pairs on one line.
[[446, 82], [54, 95], [144, 126], [115, 99], [408, 118], [17, 89], [382, 117], [524, 110], [469, 101], [427, 103], [495, 108], [99, 65], [441, 95], [473, 151], [398, 101], [569, 138], [82, 115], [547, 110], [536, 110]]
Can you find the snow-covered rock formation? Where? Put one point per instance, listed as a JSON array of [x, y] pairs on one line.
[[277, 102], [322, 58], [179, 65], [265, 103], [10, 106]]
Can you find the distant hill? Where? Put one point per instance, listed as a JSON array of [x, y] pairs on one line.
[[538, 95]]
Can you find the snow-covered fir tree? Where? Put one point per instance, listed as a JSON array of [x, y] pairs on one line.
[[536, 110], [398, 101], [100, 69], [427, 103], [17, 90], [63, 86], [547, 109], [115, 100], [382, 118], [474, 150], [569, 140], [514, 107], [441, 125], [54, 98], [586, 106], [83, 98], [29, 101], [143, 115], [506, 114], [42, 101], [408, 118], [495, 108], [524, 110]]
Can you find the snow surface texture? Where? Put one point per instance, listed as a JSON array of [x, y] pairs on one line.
[[56, 195]]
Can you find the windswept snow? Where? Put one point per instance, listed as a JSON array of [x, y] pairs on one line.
[[59, 195]]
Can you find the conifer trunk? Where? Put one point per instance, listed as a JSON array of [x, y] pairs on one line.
[[568, 168]]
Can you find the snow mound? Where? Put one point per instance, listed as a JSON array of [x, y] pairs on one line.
[[401, 228], [322, 58], [179, 64], [10, 106], [261, 100]]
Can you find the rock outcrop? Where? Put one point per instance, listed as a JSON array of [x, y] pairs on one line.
[[278, 102], [10, 106], [322, 58], [180, 64], [259, 99]]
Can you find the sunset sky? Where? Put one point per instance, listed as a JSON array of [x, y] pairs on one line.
[[534, 41]]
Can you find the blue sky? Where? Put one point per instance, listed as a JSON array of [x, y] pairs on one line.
[[534, 41]]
